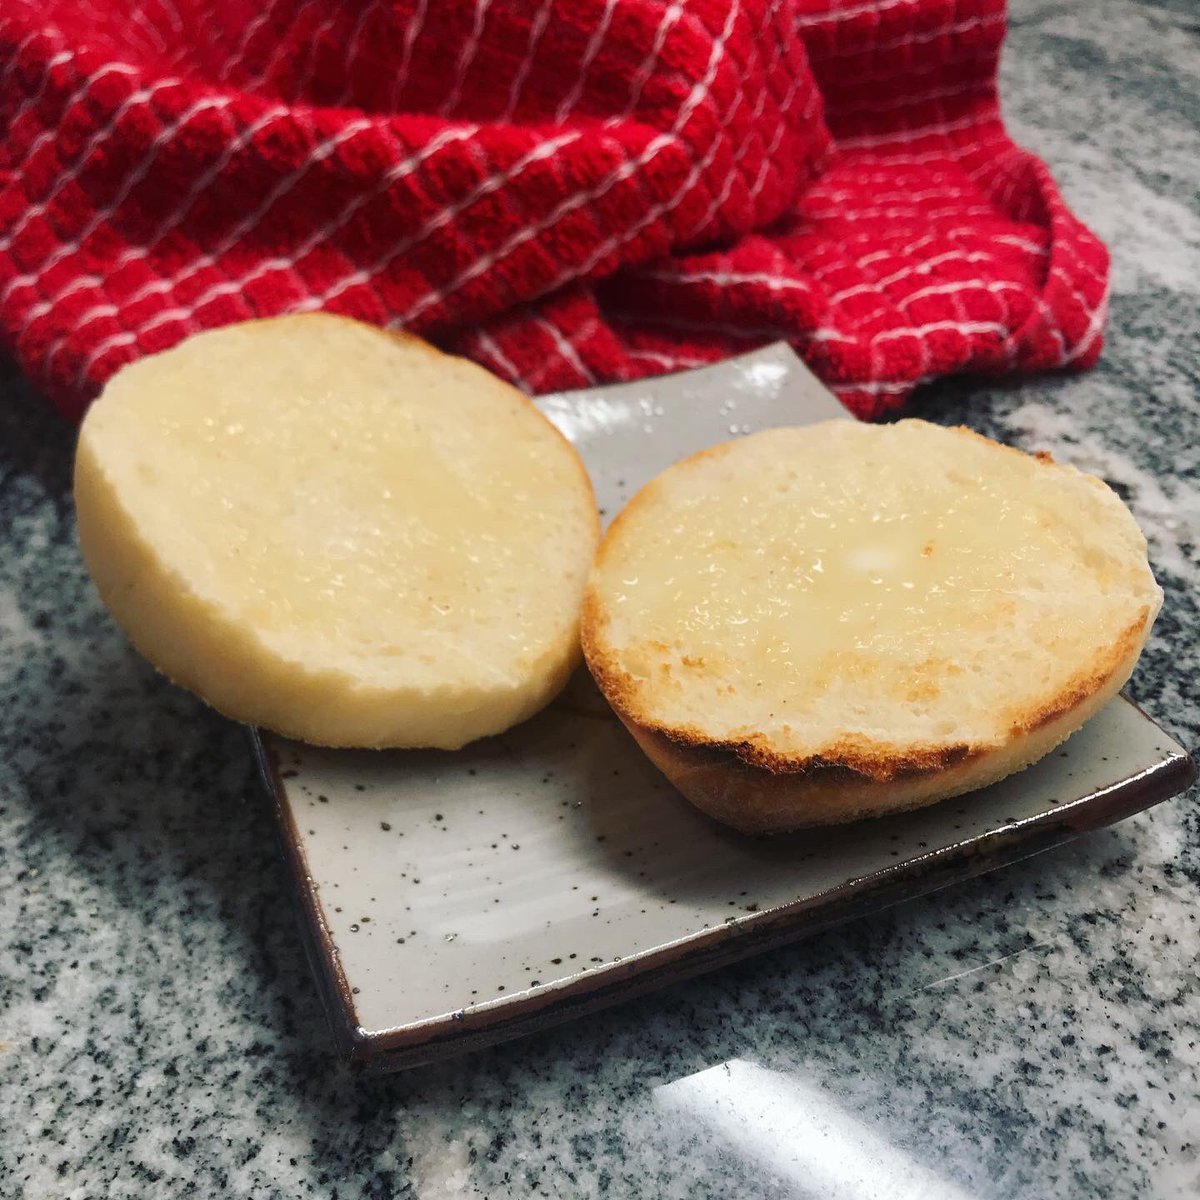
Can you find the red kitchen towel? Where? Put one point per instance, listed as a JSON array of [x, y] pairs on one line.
[[569, 193]]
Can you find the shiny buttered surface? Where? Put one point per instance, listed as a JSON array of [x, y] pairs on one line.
[[338, 533], [841, 604]]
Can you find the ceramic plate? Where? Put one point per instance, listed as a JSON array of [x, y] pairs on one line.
[[451, 900]]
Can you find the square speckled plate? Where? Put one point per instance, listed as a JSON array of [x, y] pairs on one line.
[[452, 900]]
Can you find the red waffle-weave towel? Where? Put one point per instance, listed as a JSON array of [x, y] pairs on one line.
[[569, 193]]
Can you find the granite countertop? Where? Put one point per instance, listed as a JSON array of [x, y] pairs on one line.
[[1033, 1033]]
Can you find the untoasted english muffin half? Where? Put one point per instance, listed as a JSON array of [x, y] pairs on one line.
[[817, 624], [338, 533]]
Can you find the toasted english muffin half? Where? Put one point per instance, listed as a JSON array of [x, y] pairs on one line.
[[338, 533], [818, 624]]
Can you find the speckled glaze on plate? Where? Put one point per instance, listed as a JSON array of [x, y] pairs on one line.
[[452, 900]]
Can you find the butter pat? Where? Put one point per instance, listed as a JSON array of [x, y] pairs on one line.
[[338, 533]]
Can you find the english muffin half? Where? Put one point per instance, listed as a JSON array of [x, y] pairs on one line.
[[813, 625], [338, 533]]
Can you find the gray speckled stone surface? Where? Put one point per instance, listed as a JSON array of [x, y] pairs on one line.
[[1035, 1033]]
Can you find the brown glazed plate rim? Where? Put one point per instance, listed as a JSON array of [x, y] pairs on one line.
[[429, 1040]]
